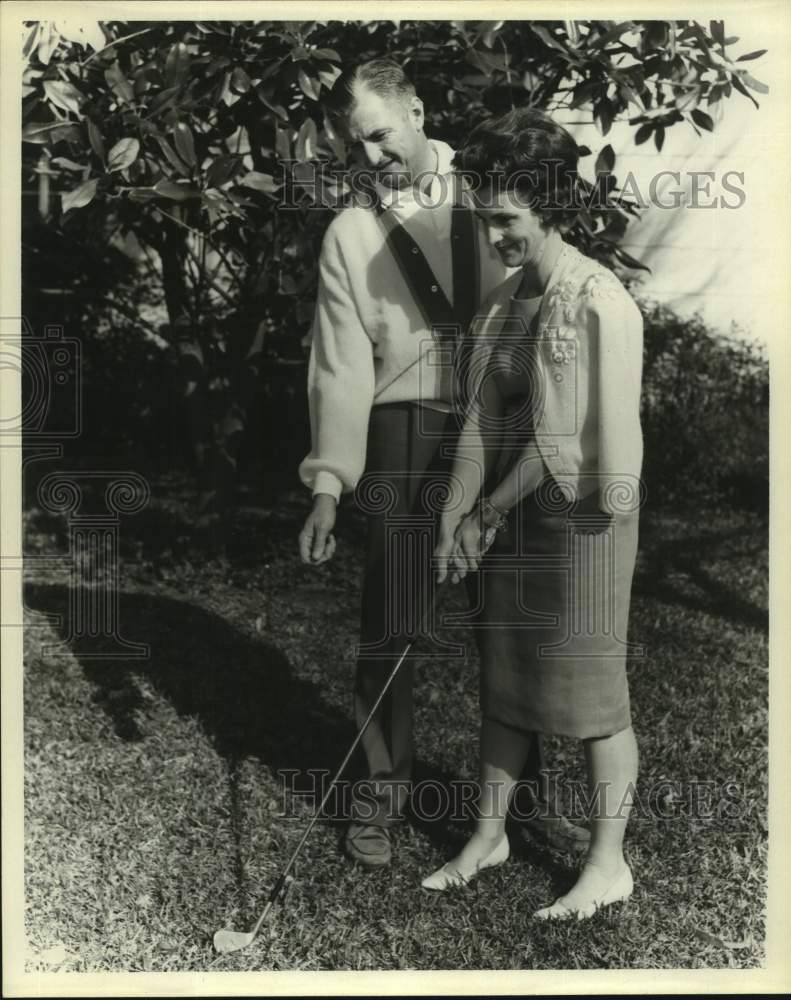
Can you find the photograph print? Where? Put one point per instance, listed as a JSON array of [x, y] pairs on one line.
[[393, 447]]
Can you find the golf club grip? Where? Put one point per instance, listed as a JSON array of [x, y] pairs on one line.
[[380, 697]]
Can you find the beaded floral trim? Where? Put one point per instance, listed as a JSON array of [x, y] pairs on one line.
[[564, 298]]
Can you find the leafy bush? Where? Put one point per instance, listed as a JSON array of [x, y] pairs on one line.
[[705, 413]]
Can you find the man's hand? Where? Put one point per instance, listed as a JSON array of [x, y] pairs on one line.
[[316, 543]]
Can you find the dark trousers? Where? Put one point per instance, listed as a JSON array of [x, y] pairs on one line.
[[401, 492]]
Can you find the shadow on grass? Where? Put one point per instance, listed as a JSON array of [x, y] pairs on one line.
[[242, 691], [662, 558]]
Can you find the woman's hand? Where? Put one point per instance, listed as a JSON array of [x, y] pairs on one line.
[[472, 540], [443, 551]]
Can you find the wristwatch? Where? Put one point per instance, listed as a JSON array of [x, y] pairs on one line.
[[491, 516]]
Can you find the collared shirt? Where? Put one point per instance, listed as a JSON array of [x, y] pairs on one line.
[[427, 214]]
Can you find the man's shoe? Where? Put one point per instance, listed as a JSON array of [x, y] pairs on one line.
[[557, 832], [368, 844]]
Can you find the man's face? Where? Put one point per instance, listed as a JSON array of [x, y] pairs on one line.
[[385, 136], [514, 230]]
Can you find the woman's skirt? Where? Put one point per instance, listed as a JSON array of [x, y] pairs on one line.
[[552, 612]]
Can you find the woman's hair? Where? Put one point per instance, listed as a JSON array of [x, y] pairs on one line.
[[527, 154], [381, 76]]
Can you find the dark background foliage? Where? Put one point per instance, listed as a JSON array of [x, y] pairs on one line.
[[178, 182]]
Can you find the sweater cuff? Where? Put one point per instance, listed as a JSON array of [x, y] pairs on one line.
[[327, 482]]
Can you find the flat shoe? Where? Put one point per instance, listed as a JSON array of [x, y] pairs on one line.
[[448, 877], [619, 889]]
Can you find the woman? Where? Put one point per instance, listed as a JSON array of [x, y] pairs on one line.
[[552, 392]]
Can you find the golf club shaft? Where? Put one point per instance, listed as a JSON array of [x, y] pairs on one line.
[[278, 886]]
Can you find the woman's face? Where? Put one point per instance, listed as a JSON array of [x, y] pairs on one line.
[[513, 229]]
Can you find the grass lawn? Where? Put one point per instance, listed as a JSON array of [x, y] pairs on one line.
[[154, 808]]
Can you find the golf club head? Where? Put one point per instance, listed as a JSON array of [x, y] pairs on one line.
[[226, 940]]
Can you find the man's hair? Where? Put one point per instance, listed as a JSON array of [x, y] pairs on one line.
[[381, 76], [526, 152]]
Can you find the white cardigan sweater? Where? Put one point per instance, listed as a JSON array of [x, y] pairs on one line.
[[589, 361], [370, 343]]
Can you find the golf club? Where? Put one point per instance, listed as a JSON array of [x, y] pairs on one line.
[[227, 940]]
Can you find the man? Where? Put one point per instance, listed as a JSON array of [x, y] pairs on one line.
[[399, 281]]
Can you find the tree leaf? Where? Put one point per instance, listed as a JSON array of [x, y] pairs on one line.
[[84, 32], [185, 144], [141, 85], [177, 64], [307, 140], [659, 137], [603, 116], [67, 164], [547, 38], [737, 83], [752, 55], [172, 157], [330, 54], [259, 182], [489, 31], [627, 259], [80, 196], [583, 93], [50, 38], [310, 88], [702, 119], [64, 95], [714, 95], [240, 81], [329, 76], [717, 29], [611, 34], [222, 170], [277, 109], [283, 143], [31, 39], [44, 133], [336, 144], [689, 100], [119, 84], [96, 139], [605, 161], [176, 192], [163, 99], [643, 133], [141, 194], [123, 154], [754, 84]]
